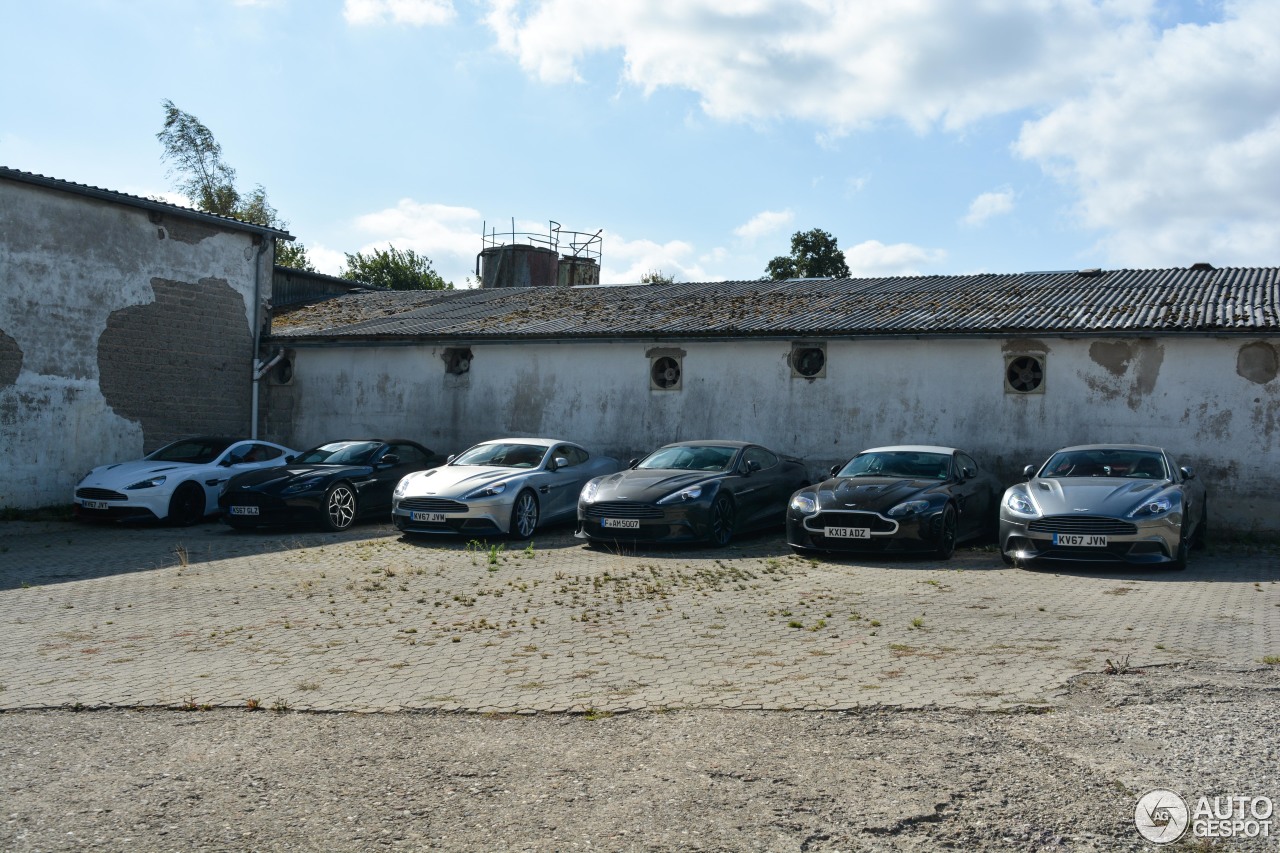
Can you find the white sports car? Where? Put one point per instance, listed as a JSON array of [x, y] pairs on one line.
[[178, 483], [508, 486]]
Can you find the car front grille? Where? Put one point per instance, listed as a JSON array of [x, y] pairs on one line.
[[100, 495], [432, 505], [1098, 525], [622, 509], [850, 518]]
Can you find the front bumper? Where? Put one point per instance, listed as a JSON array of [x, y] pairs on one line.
[[1148, 542], [432, 515], [246, 509], [907, 534], [98, 504], [626, 521]]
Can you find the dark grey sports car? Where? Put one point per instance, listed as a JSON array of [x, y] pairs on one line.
[[1104, 502], [917, 498], [691, 490]]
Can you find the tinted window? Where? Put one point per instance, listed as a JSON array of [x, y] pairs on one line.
[[899, 463], [1106, 462], [691, 458], [503, 455], [411, 456], [963, 461], [764, 458], [341, 453], [574, 455], [198, 451]]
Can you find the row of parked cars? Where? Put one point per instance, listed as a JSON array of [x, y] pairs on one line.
[[1130, 503]]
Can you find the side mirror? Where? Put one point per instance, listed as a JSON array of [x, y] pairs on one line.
[[450, 458], [292, 457], [389, 460], [558, 463], [631, 463], [1187, 473], [1029, 472], [835, 470], [753, 466], [967, 473]]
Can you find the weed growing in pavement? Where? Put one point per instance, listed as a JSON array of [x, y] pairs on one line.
[[1120, 666], [180, 551], [280, 706], [594, 713], [917, 622], [1271, 660], [252, 705], [495, 551], [528, 550]]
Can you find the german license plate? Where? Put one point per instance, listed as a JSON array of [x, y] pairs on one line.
[[430, 517], [622, 523], [1080, 540], [95, 505], [244, 510], [847, 532]]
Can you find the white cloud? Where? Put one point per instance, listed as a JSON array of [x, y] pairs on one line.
[[838, 64], [449, 236], [1176, 155], [675, 259], [988, 205], [764, 223], [872, 259], [326, 260], [417, 13]]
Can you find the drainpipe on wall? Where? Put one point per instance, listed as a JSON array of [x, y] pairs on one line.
[[258, 370]]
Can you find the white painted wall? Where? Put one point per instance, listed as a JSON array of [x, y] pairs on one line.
[[1182, 393], [66, 263]]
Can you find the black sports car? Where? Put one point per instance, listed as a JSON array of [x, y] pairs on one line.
[[907, 498], [692, 490], [335, 484]]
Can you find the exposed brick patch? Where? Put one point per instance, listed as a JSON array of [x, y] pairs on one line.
[[182, 364], [10, 360]]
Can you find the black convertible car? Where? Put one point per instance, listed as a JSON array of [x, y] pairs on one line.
[[335, 484], [692, 490], [909, 498]]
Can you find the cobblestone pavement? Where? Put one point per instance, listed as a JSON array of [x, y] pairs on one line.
[[370, 621]]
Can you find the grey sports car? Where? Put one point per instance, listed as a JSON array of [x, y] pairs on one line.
[[1104, 502], [506, 486]]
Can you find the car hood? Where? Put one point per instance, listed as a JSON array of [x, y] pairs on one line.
[[123, 474], [454, 481], [647, 485], [270, 479], [877, 494], [1093, 495]]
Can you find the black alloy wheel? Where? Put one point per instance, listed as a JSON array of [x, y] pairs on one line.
[[339, 507], [524, 516], [186, 507], [946, 534], [722, 521]]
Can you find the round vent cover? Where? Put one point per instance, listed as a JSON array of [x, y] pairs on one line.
[[665, 372], [808, 361], [1025, 374]]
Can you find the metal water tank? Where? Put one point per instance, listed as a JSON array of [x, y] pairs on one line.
[[578, 272], [517, 265]]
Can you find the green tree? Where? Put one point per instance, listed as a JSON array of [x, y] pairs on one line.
[[396, 269], [199, 172], [814, 254], [657, 277]]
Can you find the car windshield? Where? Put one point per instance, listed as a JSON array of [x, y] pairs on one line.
[[1106, 462], [690, 458], [899, 463], [503, 455], [197, 451], [340, 453]]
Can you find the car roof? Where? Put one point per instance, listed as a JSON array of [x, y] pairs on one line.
[[707, 442], [912, 448]]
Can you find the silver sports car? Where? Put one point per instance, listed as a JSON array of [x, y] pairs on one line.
[[1104, 502], [507, 486]]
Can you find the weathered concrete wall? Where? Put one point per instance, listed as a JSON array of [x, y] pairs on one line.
[[120, 329], [1214, 403]]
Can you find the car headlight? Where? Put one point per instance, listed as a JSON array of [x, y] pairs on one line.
[[805, 502], [908, 508], [589, 491], [303, 485], [487, 491], [1019, 504], [149, 483], [401, 487], [1152, 507], [692, 493]]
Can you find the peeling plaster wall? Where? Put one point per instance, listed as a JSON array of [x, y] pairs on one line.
[[1212, 407], [119, 330]]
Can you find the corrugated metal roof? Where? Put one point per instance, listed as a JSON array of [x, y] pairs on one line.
[[138, 201], [1236, 300]]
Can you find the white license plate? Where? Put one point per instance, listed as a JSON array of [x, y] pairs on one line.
[[1079, 540], [847, 532], [622, 523], [95, 504], [433, 517], [244, 510]]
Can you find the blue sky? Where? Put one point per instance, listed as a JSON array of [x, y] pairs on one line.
[[928, 136]]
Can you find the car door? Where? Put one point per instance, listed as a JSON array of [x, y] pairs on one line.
[[560, 488], [759, 494], [973, 496], [375, 493]]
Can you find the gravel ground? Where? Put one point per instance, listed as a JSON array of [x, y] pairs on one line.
[[1067, 779]]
